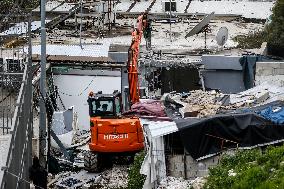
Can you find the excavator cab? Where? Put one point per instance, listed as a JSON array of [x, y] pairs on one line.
[[105, 105]]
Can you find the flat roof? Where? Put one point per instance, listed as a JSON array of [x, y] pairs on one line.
[[95, 50]]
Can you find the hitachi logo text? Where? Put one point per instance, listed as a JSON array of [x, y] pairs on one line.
[[119, 136]]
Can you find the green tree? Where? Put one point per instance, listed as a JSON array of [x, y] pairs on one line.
[[275, 30]]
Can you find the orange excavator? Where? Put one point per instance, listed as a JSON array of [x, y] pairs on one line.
[[111, 133]]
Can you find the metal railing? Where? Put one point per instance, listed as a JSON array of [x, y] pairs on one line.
[[15, 107]]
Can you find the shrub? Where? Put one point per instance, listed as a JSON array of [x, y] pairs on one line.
[[251, 169], [276, 30], [135, 179], [251, 41]]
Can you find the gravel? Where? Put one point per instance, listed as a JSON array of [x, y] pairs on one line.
[[174, 183], [117, 177], [180, 183]]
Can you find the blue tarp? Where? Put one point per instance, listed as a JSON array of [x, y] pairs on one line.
[[273, 111], [274, 114]]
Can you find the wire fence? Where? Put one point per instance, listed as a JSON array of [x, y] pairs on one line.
[[15, 102]]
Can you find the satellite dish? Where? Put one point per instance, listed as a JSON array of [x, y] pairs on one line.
[[222, 36], [199, 27]]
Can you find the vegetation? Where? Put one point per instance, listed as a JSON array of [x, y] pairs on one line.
[[7, 5], [251, 41], [273, 33], [249, 169], [275, 30], [135, 179]]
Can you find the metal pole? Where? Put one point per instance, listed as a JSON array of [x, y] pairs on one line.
[[170, 20], [42, 118], [81, 4], [205, 37]]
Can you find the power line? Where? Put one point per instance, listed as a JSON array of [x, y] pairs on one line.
[[80, 92]]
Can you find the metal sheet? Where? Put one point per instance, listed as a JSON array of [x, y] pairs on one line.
[[160, 128]]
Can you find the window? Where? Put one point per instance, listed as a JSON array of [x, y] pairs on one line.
[[101, 105], [168, 4]]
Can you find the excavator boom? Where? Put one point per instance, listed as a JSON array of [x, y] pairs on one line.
[[133, 54]]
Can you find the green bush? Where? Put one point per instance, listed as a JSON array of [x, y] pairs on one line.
[[135, 179], [251, 41], [249, 169], [275, 30]]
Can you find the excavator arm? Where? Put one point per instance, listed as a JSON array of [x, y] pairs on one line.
[[133, 54]]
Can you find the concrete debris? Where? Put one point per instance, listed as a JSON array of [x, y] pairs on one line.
[[198, 183], [202, 103], [198, 103], [174, 183], [114, 178], [161, 59], [180, 183], [55, 178], [202, 97], [111, 178], [76, 180]]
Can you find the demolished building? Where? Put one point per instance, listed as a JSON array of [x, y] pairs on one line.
[[187, 147]]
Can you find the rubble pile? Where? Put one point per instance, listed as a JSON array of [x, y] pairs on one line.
[[197, 103], [198, 183], [180, 183], [174, 183], [202, 103], [73, 179], [114, 178], [163, 59]]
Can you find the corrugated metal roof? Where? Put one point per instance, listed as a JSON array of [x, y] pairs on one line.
[[98, 50], [160, 128], [22, 27]]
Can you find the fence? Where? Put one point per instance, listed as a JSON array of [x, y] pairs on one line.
[[16, 101]]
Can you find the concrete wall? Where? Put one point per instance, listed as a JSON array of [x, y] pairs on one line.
[[74, 89], [271, 72], [187, 167], [223, 73]]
